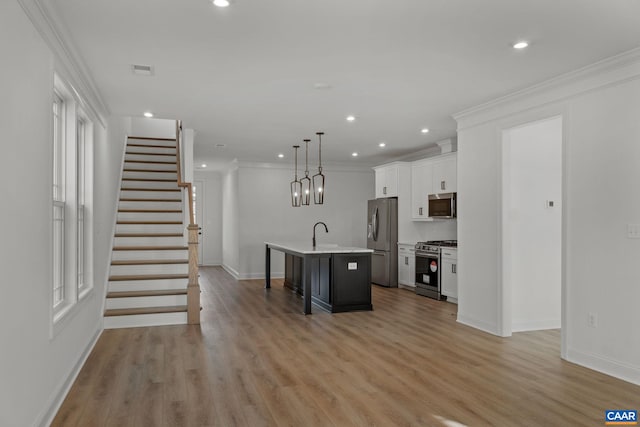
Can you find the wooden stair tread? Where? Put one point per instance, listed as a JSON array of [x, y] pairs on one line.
[[149, 261], [149, 222], [126, 277], [148, 235], [149, 200], [151, 210], [137, 153], [150, 189], [145, 310], [153, 293], [152, 179], [152, 162], [147, 170], [147, 138], [150, 248]]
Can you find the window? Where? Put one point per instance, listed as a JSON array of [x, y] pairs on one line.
[[58, 200], [72, 180]]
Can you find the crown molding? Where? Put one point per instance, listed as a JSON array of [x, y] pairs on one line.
[[612, 70], [68, 63]]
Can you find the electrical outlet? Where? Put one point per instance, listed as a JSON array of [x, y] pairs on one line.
[[592, 320], [633, 231]]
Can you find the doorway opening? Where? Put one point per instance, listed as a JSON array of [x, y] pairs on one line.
[[532, 226]]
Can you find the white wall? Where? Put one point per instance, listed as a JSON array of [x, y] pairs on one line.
[[600, 107], [35, 368], [230, 221], [532, 230], [211, 246], [153, 128], [265, 213]]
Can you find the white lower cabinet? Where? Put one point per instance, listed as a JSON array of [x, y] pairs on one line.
[[406, 264], [449, 271]]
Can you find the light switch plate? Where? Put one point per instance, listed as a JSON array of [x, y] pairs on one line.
[[633, 231], [352, 266]]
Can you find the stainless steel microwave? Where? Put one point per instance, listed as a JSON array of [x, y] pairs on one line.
[[442, 205]]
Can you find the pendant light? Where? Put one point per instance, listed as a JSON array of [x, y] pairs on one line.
[[306, 181], [296, 185], [318, 179]]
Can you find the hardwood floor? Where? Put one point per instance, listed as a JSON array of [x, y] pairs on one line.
[[257, 361]]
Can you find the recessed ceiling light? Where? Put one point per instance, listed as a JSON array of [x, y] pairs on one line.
[[221, 3], [425, 130], [354, 154], [382, 145], [281, 155], [148, 114], [221, 145], [204, 165], [520, 45], [351, 118]]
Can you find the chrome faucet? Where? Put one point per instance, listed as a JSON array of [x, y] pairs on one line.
[[314, 231]]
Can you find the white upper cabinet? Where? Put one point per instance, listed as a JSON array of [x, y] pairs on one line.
[[444, 174], [421, 185], [387, 177], [431, 176]]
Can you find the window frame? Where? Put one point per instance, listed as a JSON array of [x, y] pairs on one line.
[[72, 204]]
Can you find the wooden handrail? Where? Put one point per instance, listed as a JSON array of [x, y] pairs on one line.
[[193, 287]]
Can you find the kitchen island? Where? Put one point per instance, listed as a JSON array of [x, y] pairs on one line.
[[335, 278]]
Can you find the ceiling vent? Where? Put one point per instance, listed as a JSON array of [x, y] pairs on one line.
[[142, 70]]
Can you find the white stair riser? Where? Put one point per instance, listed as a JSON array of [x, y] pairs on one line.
[[150, 228], [151, 142], [155, 166], [122, 270], [150, 194], [168, 185], [149, 149], [149, 157], [173, 254], [150, 241], [149, 216], [114, 322], [138, 302], [147, 285], [150, 205], [150, 175]]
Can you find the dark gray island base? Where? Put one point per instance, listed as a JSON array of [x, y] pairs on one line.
[[338, 279]]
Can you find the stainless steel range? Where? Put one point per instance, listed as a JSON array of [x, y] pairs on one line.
[[428, 256]]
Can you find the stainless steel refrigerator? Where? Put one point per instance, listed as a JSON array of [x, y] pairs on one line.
[[382, 237]]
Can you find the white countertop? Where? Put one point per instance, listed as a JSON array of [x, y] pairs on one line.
[[321, 248]]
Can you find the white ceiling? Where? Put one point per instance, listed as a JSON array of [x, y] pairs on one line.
[[244, 76]]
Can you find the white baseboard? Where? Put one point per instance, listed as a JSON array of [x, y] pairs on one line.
[[478, 324], [252, 276], [536, 325], [231, 271], [605, 365], [56, 399]]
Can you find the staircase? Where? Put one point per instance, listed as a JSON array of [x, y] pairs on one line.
[[149, 273]]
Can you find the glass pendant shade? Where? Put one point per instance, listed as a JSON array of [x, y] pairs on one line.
[[318, 179], [296, 185], [306, 181]]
